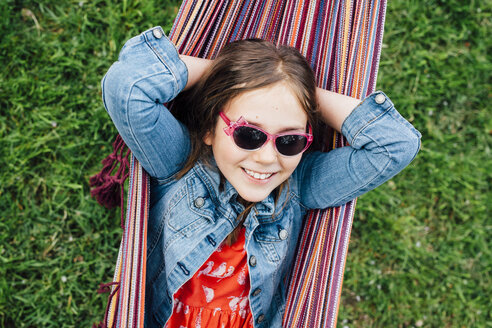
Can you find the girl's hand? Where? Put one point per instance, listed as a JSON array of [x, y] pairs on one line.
[[335, 107]]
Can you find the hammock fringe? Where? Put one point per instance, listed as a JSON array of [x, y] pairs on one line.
[[105, 288]]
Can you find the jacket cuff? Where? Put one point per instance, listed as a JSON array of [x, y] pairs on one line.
[[167, 53], [369, 110]]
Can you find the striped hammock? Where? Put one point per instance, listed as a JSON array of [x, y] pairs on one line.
[[342, 41]]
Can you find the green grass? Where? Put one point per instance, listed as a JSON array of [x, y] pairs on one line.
[[420, 253]]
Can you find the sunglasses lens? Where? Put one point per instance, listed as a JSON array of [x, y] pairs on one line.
[[249, 138], [290, 145]]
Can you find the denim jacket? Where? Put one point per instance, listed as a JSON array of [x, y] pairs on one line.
[[190, 217]]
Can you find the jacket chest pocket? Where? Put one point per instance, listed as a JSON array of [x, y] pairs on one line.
[[181, 219], [186, 223], [273, 239]]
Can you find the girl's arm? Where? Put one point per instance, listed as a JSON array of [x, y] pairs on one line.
[[148, 74], [335, 107], [381, 144], [196, 68]]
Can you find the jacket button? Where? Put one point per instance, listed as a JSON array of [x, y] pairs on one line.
[[252, 261], [199, 202], [283, 234], [257, 292], [260, 319], [157, 33], [380, 98]]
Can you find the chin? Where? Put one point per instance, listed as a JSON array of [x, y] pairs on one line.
[[254, 197]]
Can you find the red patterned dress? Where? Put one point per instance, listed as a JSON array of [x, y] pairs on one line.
[[217, 295]]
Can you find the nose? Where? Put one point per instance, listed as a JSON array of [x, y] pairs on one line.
[[266, 154]]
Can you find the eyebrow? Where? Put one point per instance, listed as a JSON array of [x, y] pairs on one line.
[[286, 129]]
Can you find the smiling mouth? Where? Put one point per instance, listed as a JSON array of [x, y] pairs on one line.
[[257, 175]]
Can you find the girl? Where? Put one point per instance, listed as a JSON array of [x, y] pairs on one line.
[[231, 178]]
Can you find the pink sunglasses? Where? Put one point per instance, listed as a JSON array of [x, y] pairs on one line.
[[249, 137]]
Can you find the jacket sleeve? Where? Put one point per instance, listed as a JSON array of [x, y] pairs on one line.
[[148, 74], [381, 144]]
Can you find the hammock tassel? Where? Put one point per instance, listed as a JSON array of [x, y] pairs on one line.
[[108, 189]]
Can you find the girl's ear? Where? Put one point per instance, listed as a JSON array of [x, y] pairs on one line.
[[207, 138]]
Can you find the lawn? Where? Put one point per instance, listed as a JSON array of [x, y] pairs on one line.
[[420, 252]]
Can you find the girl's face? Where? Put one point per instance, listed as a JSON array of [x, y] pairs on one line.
[[275, 109]]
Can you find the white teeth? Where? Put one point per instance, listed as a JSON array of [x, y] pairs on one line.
[[259, 176]]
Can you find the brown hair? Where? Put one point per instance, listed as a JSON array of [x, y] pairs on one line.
[[241, 66]]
